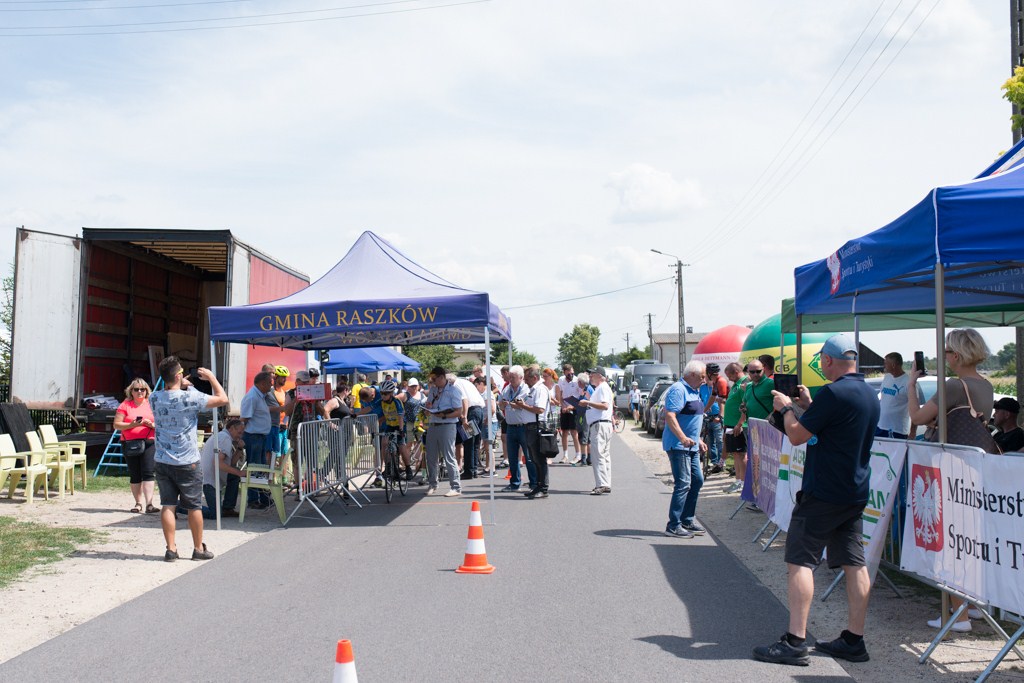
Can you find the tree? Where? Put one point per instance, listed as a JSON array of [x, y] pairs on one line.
[[499, 355], [579, 347], [1014, 93], [431, 356], [6, 325], [635, 354], [465, 368], [1007, 355]]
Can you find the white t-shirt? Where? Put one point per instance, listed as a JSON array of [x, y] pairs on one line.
[[223, 443], [470, 392], [539, 398], [895, 415], [570, 389], [602, 394]]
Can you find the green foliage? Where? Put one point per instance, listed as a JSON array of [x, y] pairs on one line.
[[634, 354], [1008, 387], [499, 355], [579, 347], [1009, 370], [430, 357], [1013, 92], [27, 544], [465, 368], [1007, 354], [6, 324]]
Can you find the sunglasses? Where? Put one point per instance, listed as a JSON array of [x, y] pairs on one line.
[[755, 372], [139, 389]]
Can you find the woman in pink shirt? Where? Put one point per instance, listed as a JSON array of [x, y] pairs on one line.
[[134, 418]]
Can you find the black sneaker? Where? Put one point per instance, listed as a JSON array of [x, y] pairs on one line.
[[510, 489], [203, 554], [695, 529], [781, 652], [170, 555], [841, 649], [679, 532]]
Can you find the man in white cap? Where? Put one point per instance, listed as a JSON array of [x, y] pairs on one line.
[[599, 421], [838, 428]]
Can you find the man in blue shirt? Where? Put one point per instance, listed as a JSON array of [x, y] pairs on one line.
[[684, 414], [838, 428]]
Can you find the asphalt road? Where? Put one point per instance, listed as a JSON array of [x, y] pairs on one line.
[[586, 589]]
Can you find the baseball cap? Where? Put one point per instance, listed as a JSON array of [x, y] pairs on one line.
[[413, 382], [313, 372], [712, 368], [599, 370], [302, 376], [1008, 404], [839, 346]]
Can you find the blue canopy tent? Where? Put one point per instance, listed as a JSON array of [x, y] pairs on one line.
[[374, 296], [960, 249], [344, 361]]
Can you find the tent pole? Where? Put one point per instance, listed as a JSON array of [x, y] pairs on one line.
[[856, 329], [488, 406], [940, 347], [213, 435], [799, 349]]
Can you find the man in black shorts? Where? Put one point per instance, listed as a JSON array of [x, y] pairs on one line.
[[838, 428]]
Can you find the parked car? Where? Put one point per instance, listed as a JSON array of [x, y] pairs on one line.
[[648, 414], [659, 412]]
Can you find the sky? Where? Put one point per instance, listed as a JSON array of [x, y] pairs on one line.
[[535, 150]]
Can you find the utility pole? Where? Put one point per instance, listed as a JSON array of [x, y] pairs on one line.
[[650, 333], [627, 342], [682, 316], [1017, 59]]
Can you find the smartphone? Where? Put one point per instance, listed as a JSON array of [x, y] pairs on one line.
[[919, 362], [138, 418], [787, 384]]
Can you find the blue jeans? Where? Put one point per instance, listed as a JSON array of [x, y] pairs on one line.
[[255, 454], [230, 497], [714, 441], [516, 440], [688, 478]]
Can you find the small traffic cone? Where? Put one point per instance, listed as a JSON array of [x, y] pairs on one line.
[[475, 561], [345, 663], [508, 473]]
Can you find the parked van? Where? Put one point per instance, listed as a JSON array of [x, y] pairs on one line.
[[646, 374]]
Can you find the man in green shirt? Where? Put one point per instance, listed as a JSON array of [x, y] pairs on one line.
[[757, 403], [735, 445]]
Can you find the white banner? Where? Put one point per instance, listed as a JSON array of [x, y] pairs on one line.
[[965, 522]]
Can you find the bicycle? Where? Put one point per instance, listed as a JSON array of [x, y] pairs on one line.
[[618, 420], [392, 470]]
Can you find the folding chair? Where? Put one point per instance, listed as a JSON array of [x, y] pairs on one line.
[[76, 449]]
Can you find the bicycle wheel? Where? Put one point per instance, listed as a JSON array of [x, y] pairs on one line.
[[396, 464], [618, 421], [389, 477]]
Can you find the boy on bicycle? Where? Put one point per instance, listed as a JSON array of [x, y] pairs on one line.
[[391, 416]]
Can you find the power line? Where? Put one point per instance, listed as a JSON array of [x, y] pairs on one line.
[[587, 296], [266, 23], [100, 9], [194, 21]]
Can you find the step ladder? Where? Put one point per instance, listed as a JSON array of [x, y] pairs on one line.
[[113, 455]]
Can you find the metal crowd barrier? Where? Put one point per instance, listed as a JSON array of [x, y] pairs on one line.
[[322, 466], [363, 450]]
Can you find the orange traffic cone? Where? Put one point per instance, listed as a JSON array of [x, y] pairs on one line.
[[345, 663], [476, 556]]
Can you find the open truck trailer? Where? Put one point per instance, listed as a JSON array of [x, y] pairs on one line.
[[93, 312]]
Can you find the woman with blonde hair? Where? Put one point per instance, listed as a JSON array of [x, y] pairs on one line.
[[134, 419], [965, 349]]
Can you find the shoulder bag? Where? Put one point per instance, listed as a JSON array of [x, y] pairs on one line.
[[964, 426]]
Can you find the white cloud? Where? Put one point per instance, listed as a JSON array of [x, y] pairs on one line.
[[647, 195]]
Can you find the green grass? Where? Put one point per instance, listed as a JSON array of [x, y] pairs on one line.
[[105, 482], [26, 544]]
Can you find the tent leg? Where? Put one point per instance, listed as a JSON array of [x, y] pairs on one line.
[[488, 408], [799, 350], [216, 458]]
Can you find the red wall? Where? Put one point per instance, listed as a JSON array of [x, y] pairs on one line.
[[267, 283]]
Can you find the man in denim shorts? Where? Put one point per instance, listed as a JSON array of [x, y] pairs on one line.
[[179, 474], [838, 428]]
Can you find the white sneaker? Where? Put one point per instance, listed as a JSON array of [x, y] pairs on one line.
[[974, 613], [959, 627], [431, 490], [453, 493]]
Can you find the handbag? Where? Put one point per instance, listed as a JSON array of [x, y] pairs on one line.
[[134, 447], [548, 445], [964, 427]]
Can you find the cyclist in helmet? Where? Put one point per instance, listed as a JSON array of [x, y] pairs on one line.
[[390, 415], [634, 401]]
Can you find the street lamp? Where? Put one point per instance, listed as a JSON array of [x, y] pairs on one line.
[[682, 318]]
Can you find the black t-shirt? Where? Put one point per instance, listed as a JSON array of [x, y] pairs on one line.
[[842, 418], [1012, 440]]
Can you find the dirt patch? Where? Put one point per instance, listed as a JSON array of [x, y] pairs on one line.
[[896, 629]]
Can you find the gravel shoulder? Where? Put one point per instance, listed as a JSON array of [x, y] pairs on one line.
[[896, 629]]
